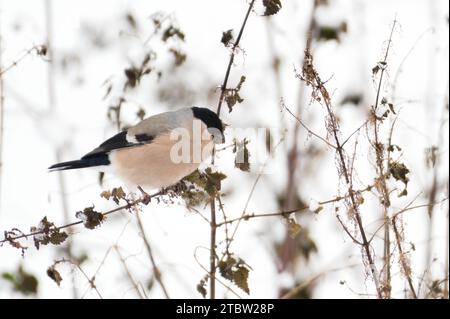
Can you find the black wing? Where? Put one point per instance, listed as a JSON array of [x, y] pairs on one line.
[[99, 156]]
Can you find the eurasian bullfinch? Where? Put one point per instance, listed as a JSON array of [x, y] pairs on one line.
[[158, 151]]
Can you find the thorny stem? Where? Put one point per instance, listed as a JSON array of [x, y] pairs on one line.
[[223, 88], [312, 77], [379, 158], [405, 266]]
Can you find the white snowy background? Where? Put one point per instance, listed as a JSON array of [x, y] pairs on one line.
[[78, 123]]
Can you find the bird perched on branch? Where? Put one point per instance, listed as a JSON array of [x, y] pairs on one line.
[[158, 151]]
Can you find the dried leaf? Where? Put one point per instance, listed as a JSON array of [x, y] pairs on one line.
[[172, 32], [49, 233], [22, 281], [293, 228], [391, 107], [399, 172], [133, 75], [141, 114], [236, 271], [90, 217], [54, 275], [131, 21], [375, 70], [214, 181], [179, 56], [272, 7], [432, 155], [201, 286], [227, 36], [232, 96], [116, 194]]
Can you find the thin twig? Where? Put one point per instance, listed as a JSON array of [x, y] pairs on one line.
[[228, 287], [156, 271], [35, 48], [91, 280], [312, 78], [258, 178], [127, 271], [380, 167], [284, 213], [308, 130], [405, 266], [306, 283], [383, 68], [223, 89], [212, 245]]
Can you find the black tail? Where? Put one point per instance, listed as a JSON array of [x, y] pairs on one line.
[[90, 161]]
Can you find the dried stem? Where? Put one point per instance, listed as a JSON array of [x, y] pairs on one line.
[[403, 262], [284, 213], [91, 280], [127, 271], [35, 48], [212, 247], [447, 249], [320, 93], [308, 129], [223, 89], [156, 271], [381, 173]]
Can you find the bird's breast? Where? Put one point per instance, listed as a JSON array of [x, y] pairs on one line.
[[167, 159]]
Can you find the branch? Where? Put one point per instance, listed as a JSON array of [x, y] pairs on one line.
[[223, 88], [285, 213], [385, 200], [405, 266], [11, 239], [321, 95]]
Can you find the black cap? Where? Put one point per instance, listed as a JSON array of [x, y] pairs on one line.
[[208, 117]]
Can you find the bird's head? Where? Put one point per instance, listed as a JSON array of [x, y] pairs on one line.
[[212, 122]]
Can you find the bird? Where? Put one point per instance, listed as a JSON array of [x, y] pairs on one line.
[[158, 151]]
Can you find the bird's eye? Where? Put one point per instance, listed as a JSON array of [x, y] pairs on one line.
[[218, 136]]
